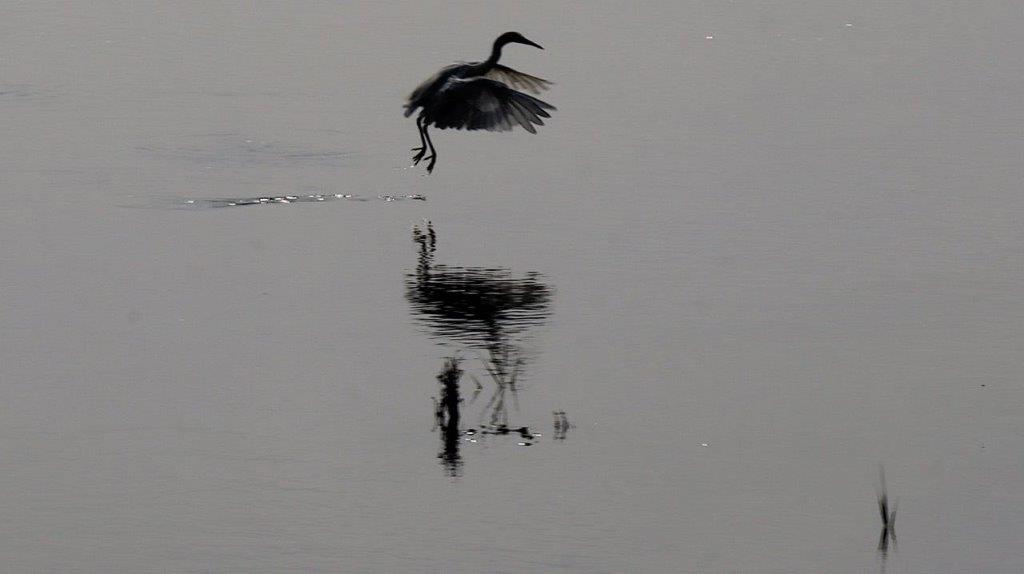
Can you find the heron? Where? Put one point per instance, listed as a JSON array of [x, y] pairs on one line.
[[477, 96]]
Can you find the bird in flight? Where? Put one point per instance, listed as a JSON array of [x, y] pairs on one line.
[[477, 96]]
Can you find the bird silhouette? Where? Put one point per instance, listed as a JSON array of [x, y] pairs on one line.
[[477, 96]]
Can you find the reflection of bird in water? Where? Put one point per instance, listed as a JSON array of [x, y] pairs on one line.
[[486, 309], [477, 96], [503, 370]]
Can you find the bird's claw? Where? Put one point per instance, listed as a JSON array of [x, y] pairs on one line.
[[418, 157], [430, 166]]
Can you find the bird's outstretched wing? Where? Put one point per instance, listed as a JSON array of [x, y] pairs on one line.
[[517, 79], [484, 104]]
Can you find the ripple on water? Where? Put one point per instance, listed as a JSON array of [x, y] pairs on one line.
[[217, 202]]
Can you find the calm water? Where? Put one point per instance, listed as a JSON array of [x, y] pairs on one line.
[[760, 249]]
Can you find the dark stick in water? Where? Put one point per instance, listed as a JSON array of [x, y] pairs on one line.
[[888, 517]]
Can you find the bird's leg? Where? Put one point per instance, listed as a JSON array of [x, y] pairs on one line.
[[423, 143], [433, 152]]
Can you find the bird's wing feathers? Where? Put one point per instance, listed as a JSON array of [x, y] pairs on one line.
[[485, 104], [517, 79], [412, 102]]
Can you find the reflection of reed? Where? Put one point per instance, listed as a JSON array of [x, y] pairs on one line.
[[562, 425], [888, 519], [446, 416], [493, 418]]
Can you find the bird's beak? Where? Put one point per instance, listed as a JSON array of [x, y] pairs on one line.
[[534, 44]]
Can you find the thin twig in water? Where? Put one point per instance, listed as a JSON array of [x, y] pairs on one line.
[[888, 516]]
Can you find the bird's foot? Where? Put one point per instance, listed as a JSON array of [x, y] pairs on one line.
[[430, 166], [418, 157]]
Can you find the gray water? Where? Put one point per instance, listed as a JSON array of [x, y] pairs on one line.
[[760, 249]]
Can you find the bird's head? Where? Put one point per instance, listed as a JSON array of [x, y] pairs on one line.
[[514, 38]]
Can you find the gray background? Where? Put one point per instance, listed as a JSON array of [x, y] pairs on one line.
[[797, 241]]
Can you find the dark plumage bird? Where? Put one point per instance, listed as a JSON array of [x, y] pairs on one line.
[[477, 96]]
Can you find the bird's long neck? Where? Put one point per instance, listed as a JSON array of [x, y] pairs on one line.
[[495, 53]]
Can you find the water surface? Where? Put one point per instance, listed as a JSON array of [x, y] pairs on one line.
[[759, 249]]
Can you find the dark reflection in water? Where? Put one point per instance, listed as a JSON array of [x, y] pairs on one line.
[[562, 425], [446, 415], [489, 310], [888, 514], [481, 307]]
